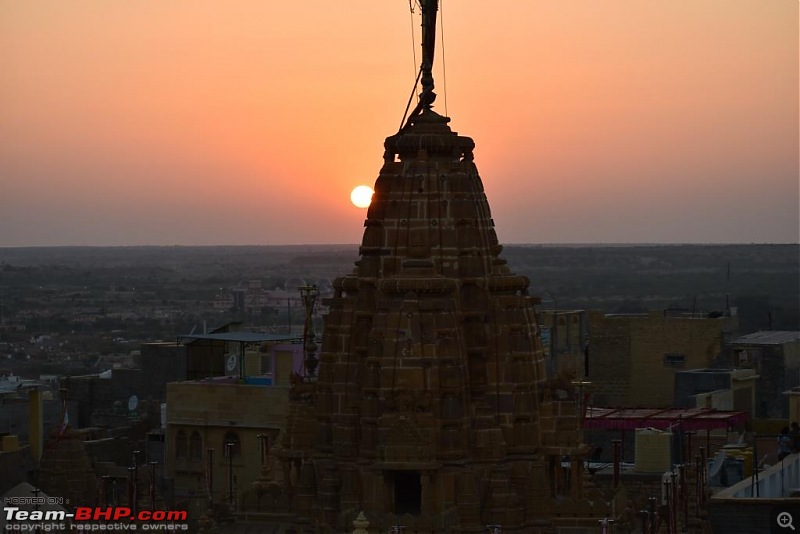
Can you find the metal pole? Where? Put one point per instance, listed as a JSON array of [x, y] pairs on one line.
[[131, 491], [643, 515], [698, 467], [210, 476], [703, 475], [616, 444], [755, 460], [669, 491], [135, 506], [229, 445], [675, 502], [152, 486], [685, 493], [652, 502]]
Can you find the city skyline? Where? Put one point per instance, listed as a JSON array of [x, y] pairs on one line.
[[155, 123]]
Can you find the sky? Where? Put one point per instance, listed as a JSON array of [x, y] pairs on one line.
[[203, 122]]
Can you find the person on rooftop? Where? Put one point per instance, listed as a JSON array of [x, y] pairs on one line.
[[784, 443]]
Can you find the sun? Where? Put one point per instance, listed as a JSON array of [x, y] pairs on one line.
[[361, 196]]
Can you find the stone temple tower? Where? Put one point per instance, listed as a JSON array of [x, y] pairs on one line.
[[431, 407]]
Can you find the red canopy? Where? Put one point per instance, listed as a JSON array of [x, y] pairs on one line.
[[661, 419]]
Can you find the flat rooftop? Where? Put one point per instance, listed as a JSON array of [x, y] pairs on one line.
[[768, 337], [240, 337]]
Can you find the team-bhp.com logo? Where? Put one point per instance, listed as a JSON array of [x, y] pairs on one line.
[[117, 513], [93, 519]]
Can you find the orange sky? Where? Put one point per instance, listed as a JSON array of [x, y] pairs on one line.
[[249, 122]]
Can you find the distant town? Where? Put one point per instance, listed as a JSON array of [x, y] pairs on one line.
[[161, 377], [73, 310]]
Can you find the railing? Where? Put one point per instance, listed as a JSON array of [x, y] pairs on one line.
[[775, 482]]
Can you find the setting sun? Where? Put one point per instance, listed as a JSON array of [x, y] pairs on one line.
[[361, 196]]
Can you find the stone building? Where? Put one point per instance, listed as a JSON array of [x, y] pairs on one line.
[[633, 358], [203, 418], [565, 334], [105, 394], [219, 428], [721, 389], [775, 357]]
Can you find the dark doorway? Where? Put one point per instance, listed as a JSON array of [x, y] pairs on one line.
[[407, 493]]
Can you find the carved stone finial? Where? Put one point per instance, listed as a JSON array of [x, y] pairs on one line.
[[427, 96], [429, 9], [361, 523]]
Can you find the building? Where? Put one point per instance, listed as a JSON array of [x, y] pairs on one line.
[[107, 393], [219, 426], [775, 357], [22, 437], [633, 358], [565, 337], [255, 299], [721, 389]]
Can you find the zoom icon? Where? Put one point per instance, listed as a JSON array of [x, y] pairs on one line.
[[785, 520]]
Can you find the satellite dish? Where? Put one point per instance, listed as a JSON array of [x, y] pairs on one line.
[[231, 363], [133, 402]]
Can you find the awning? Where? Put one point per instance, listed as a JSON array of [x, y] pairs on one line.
[[661, 419]]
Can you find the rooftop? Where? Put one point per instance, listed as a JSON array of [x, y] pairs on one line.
[[240, 337], [768, 337], [13, 384], [686, 419]]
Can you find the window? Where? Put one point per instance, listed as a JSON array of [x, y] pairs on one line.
[[744, 358], [672, 359], [195, 447], [181, 445]]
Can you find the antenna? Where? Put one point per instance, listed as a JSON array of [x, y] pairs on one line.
[[728, 291]]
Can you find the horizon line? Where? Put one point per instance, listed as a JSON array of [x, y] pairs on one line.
[[519, 244]]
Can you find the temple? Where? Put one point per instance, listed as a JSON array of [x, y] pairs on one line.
[[432, 408]]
